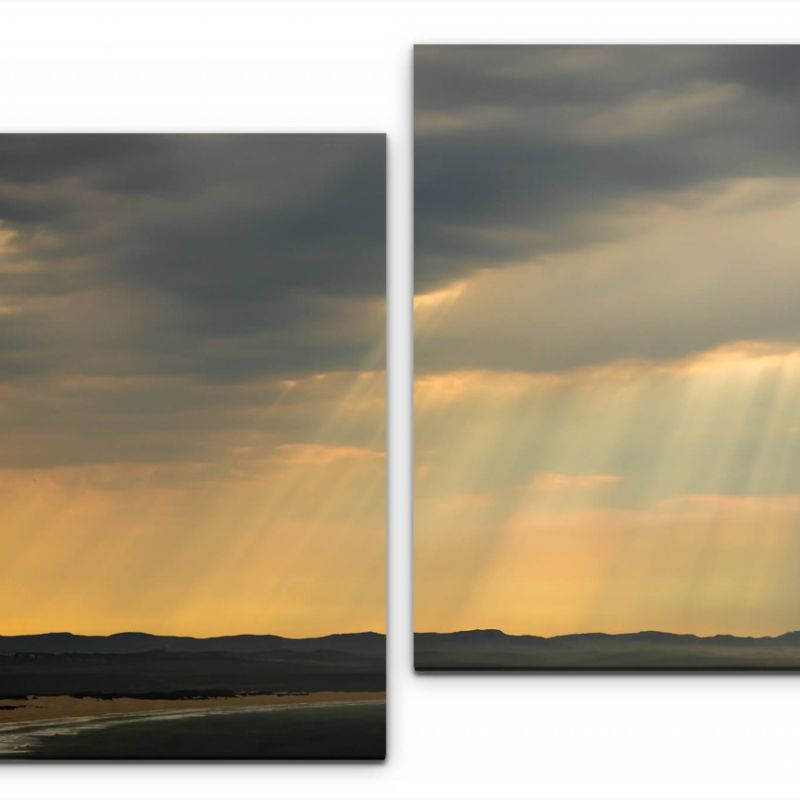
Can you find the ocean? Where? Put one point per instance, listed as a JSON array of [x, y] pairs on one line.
[[348, 730]]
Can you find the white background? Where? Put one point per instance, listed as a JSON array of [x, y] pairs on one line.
[[346, 66]]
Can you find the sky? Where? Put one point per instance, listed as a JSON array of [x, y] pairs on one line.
[[607, 339], [192, 384]]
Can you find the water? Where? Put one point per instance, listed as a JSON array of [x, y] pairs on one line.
[[354, 730]]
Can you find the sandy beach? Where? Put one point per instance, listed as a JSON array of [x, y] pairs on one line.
[[36, 709]]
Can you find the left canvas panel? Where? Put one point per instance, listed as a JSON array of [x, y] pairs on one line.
[[192, 459]]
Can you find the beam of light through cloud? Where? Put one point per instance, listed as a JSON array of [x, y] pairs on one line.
[[192, 384], [607, 343], [694, 459], [608, 350]]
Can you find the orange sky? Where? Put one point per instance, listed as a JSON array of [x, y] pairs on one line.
[[192, 384], [607, 426], [289, 542]]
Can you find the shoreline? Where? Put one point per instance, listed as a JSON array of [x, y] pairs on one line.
[[43, 710]]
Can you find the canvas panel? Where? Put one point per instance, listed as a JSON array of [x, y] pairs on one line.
[[192, 460], [607, 357]]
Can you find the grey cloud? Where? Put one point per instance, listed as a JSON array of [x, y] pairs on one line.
[[229, 236], [218, 255], [213, 261], [574, 324], [167, 420], [495, 164]]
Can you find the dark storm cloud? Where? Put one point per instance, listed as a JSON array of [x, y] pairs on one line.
[[229, 236], [178, 281], [240, 256], [524, 139]]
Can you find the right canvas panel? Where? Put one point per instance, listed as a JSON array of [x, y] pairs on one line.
[[607, 320]]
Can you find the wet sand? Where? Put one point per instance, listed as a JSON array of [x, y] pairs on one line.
[[55, 708]]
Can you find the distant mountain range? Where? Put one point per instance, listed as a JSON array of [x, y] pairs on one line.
[[144, 665], [495, 650], [146, 642]]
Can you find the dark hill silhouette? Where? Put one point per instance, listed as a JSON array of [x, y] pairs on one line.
[[135, 642], [494, 650], [144, 665]]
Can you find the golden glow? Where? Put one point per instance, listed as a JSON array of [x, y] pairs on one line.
[[557, 481], [607, 403], [441, 297], [287, 541], [699, 535], [192, 369]]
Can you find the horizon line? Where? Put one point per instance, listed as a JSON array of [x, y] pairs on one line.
[[604, 633], [188, 636]]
